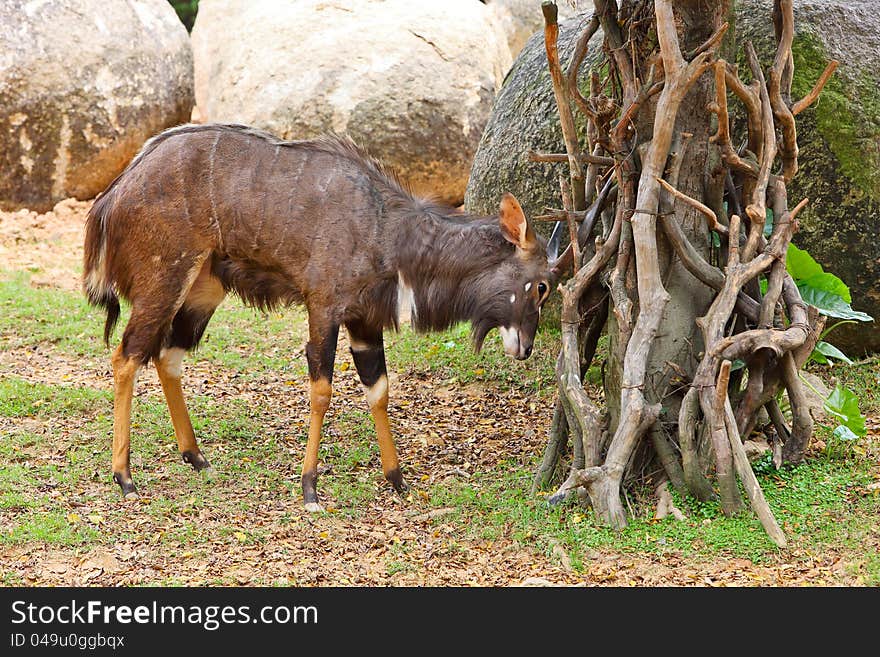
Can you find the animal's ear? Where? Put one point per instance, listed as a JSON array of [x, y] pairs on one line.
[[514, 225]]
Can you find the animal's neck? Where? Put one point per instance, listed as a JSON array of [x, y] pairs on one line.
[[442, 259]]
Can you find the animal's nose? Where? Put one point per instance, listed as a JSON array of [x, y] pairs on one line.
[[528, 351]]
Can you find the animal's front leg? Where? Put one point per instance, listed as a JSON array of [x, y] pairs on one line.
[[368, 353], [320, 353]]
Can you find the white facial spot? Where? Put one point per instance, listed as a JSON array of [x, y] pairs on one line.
[[510, 337], [513, 298], [528, 286]]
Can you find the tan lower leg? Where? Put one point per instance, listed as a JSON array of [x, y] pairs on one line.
[[124, 374], [168, 369], [320, 392], [377, 397]]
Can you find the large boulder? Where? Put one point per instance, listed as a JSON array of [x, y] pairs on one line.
[[413, 82], [83, 83], [524, 118], [520, 19], [839, 141]]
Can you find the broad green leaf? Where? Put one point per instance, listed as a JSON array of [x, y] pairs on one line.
[[763, 283], [818, 357], [827, 283], [844, 405], [831, 351], [830, 304], [716, 239], [844, 433], [800, 264]]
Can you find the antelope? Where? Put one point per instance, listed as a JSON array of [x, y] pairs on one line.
[[206, 210]]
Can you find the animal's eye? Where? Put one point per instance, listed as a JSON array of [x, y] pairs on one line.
[[542, 289]]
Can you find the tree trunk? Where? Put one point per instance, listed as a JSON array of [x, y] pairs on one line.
[[679, 254]]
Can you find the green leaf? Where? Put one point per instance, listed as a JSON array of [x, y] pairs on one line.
[[716, 239], [818, 357], [844, 433], [827, 283], [830, 351], [763, 283], [844, 405], [800, 264], [830, 304]]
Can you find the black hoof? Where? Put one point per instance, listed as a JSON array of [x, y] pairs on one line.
[[557, 498], [396, 479], [126, 484], [196, 460]]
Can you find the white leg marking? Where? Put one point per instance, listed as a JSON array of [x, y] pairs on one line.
[[357, 345], [378, 391], [171, 361]]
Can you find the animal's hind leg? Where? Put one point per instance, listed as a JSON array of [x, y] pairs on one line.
[[125, 369], [144, 336], [186, 330], [168, 366], [320, 353], [368, 353]]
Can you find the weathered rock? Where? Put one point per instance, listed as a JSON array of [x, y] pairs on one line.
[[411, 81], [524, 118], [520, 19], [83, 84], [839, 140]]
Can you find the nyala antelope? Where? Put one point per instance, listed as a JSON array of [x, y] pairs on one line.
[[205, 210]]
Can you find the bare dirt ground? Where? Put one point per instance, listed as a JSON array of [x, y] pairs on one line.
[[333, 549]]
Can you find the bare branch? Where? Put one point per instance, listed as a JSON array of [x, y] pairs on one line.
[[711, 217], [811, 97], [560, 91]]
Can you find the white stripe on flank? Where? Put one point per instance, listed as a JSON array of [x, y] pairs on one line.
[[214, 220]]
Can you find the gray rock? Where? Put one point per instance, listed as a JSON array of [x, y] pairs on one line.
[[520, 19], [83, 83], [839, 141], [524, 118], [413, 82]]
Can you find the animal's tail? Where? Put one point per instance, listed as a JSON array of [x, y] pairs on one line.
[[98, 284]]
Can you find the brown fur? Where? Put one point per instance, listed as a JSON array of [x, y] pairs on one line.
[[209, 209]]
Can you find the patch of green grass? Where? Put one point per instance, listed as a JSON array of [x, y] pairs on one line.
[[252, 343], [810, 501], [31, 316], [48, 526], [450, 355], [863, 378], [22, 398]]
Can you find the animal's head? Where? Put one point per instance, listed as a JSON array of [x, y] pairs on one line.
[[518, 287]]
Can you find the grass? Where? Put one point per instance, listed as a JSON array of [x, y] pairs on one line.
[[55, 488], [814, 502]]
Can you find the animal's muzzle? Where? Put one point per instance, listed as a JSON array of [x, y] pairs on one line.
[[516, 344]]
